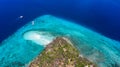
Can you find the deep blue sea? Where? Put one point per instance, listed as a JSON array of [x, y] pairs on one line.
[[102, 16]]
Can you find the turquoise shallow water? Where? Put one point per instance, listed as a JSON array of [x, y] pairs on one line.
[[20, 48]]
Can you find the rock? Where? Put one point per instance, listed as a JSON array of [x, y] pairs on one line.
[[60, 53]]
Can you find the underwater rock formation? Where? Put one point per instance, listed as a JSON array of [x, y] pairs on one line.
[[22, 46]]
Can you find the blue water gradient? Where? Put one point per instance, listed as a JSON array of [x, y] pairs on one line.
[[102, 16], [17, 52]]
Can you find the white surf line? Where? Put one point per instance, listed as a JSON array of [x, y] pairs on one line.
[[66, 39]]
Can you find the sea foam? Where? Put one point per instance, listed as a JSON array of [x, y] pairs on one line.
[[38, 37]]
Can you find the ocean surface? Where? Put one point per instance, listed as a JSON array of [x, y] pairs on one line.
[[102, 16], [31, 39]]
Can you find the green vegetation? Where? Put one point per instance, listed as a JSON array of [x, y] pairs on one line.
[[60, 53]]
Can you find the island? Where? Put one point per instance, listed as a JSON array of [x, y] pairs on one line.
[[61, 53]]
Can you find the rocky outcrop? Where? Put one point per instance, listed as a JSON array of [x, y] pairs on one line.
[[60, 53]]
